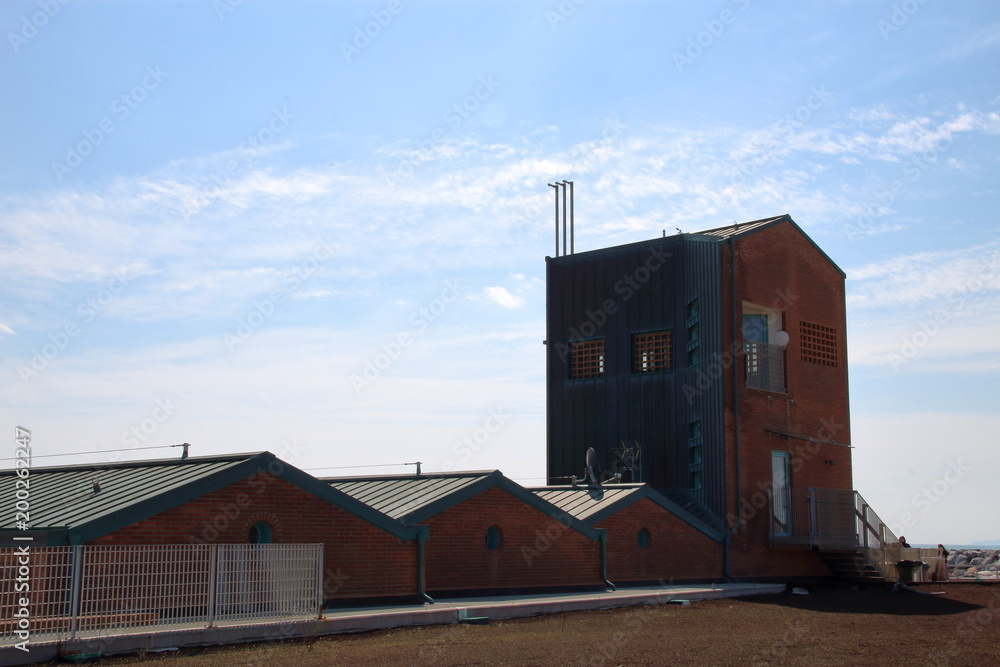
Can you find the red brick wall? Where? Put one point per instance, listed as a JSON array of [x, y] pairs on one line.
[[778, 268], [360, 560], [536, 550], [676, 550]]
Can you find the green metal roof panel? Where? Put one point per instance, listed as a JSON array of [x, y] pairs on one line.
[[591, 505], [584, 502], [65, 503], [401, 496], [64, 497]]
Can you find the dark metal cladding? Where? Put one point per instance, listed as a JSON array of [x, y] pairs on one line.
[[612, 294]]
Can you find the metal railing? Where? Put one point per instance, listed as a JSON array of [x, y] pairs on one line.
[[765, 366], [833, 520], [88, 590]]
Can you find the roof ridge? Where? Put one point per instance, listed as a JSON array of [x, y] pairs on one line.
[[109, 465]]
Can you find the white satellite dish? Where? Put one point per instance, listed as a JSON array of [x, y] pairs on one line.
[[781, 338]]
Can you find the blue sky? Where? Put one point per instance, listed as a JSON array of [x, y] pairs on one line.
[[319, 228]]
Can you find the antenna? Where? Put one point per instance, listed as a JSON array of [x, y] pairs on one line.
[[630, 453]]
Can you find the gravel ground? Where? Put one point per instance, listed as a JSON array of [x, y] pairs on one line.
[[827, 627]]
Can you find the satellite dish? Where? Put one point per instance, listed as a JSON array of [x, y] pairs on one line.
[[781, 338], [591, 469]]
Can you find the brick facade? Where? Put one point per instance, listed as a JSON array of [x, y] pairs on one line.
[[536, 551], [360, 560], [780, 269], [675, 550]]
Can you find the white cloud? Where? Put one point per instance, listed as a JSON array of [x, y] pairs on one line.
[[501, 296]]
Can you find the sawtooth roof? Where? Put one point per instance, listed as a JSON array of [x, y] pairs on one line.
[[67, 507]]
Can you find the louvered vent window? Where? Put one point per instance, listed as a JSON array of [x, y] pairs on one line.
[[818, 344], [587, 359], [651, 352]]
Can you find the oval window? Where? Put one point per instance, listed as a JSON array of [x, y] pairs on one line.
[[643, 538], [492, 538], [260, 533]]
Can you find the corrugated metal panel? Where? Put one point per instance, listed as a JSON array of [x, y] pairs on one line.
[[400, 496], [64, 497], [581, 502]]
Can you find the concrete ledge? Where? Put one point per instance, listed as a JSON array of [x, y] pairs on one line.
[[343, 621]]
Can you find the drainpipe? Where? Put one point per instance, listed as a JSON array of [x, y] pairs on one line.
[[736, 409], [604, 561], [421, 536]]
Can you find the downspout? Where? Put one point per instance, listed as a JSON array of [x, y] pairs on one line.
[[421, 536], [604, 561], [736, 411]]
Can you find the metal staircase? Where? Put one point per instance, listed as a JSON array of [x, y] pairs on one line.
[[840, 525], [851, 566]]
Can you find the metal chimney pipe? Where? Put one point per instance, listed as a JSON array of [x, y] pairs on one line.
[[556, 186], [564, 215], [570, 216]]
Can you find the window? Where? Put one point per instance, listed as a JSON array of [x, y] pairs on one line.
[[781, 499], [651, 352], [493, 538], [818, 344], [260, 533], [693, 333], [642, 539], [587, 359], [764, 362], [694, 455]]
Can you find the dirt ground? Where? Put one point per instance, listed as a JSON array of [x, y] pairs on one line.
[[827, 627]]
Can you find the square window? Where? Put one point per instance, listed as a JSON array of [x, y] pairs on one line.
[[587, 359], [651, 352]]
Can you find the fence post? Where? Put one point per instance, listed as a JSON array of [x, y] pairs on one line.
[[75, 589], [319, 583], [213, 582]]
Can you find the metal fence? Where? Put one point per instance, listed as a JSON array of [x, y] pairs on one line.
[[86, 590]]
